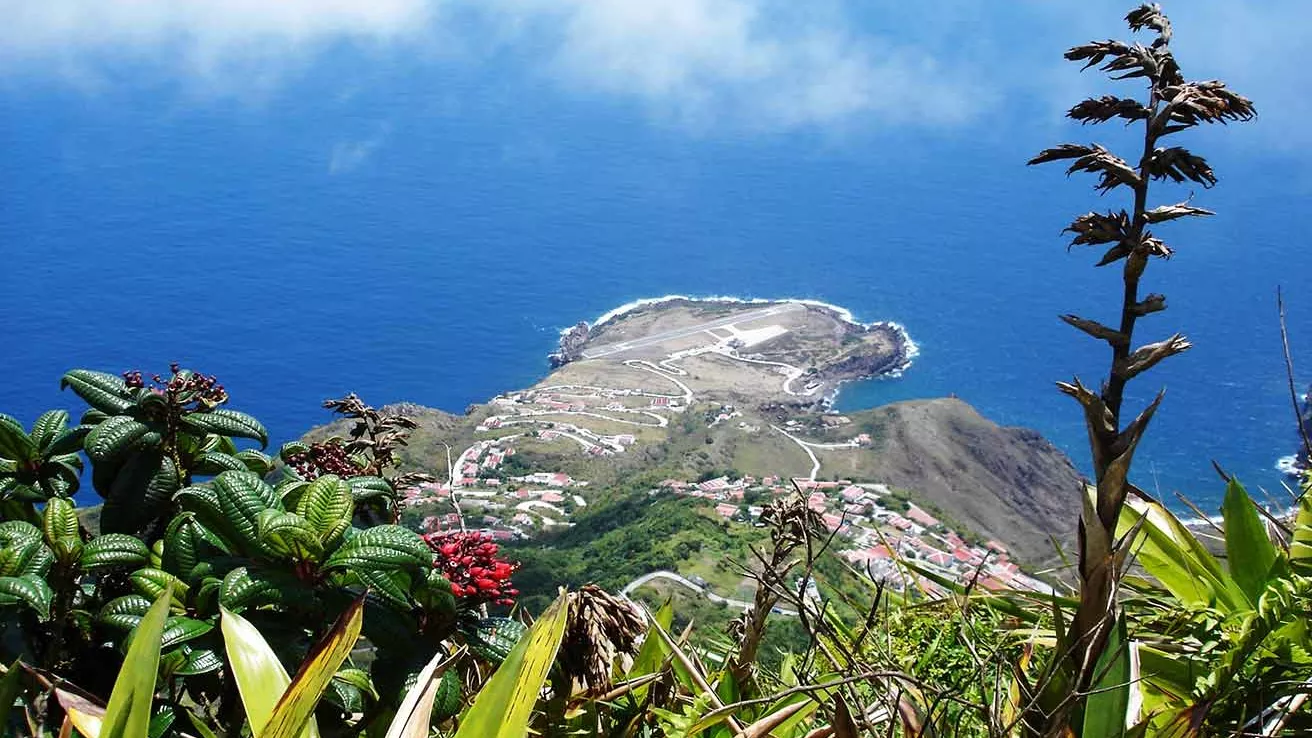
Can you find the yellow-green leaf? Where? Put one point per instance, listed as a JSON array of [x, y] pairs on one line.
[[505, 704], [261, 678], [296, 707], [128, 713], [415, 714]]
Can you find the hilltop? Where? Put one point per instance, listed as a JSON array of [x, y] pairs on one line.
[[727, 404]]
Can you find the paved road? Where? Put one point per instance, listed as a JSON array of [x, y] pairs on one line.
[[678, 579], [657, 338]]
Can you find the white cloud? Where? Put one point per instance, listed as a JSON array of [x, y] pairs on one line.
[[753, 64]]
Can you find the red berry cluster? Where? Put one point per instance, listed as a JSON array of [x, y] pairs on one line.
[[186, 390], [324, 458], [469, 561]]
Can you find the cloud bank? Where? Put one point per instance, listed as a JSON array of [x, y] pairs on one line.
[[748, 64]]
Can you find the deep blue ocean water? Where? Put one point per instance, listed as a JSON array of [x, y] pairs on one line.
[[458, 232]]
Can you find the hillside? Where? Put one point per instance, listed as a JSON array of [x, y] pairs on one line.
[[707, 410]]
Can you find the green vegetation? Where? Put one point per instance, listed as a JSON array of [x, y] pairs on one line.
[[214, 566]]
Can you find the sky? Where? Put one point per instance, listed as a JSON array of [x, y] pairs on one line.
[[835, 68]]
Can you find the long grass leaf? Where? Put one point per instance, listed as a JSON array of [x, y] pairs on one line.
[[505, 704], [414, 715], [261, 678], [1249, 551], [128, 713], [296, 706]]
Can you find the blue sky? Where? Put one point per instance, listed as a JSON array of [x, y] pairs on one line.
[[701, 67]]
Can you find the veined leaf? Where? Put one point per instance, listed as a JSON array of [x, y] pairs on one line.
[[242, 496], [150, 583], [69, 440], [129, 710], [288, 534], [296, 706], [217, 462], [48, 426], [1250, 554], [141, 487], [241, 589], [367, 488], [327, 505], [227, 422], [382, 547], [181, 629], [261, 678], [185, 541], [30, 590], [15, 444], [105, 392], [111, 439], [503, 707], [59, 522], [256, 461]]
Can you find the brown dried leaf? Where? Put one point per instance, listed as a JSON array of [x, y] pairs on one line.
[[1147, 356], [1163, 213], [1095, 228], [1178, 164], [1151, 16], [1103, 109]]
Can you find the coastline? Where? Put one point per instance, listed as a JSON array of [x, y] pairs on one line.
[[910, 349]]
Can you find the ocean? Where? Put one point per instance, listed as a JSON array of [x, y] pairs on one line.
[[388, 230]]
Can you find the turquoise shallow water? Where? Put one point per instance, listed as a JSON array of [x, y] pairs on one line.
[[390, 243]]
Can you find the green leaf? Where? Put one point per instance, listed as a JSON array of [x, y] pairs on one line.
[[59, 522], [123, 613], [1167, 549], [49, 426], [1109, 701], [30, 590], [292, 448], [288, 534], [129, 710], [652, 653], [390, 585], [242, 496], [15, 444], [112, 439], [256, 461], [150, 583], [1300, 548], [217, 462], [415, 713], [186, 541], [296, 706], [10, 688], [367, 488], [358, 678], [182, 629], [198, 661], [505, 704], [105, 392], [382, 547], [327, 505], [261, 678], [140, 491], [227, 422], [1249, 551], [241, 589], [69, 440]]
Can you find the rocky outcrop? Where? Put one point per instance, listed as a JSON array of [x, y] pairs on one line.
[[571, 345]]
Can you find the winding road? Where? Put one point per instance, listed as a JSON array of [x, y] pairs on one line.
[[681, 580]]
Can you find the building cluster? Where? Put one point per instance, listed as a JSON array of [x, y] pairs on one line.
[[880, 532]]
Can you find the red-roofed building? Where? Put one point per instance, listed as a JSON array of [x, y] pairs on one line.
[[725, 510], [922, 517]]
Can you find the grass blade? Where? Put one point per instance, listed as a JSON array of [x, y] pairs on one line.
[[129, 710], [505, 704], [296, 706], [261, 678]]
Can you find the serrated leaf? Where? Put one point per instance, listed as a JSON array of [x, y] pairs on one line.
[[180, 629], [59, 521], [256, 461], [242, 496], [240, 589], [140, 492], [382, 547], [29, 590], [327, 505], [129, 710], [288, 534], [113, 438], [216, 462], [104, 392], [225, 422], [368, 488], [15, 556], [48, 426], [15, 444], [113, 550], [150, 583]]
